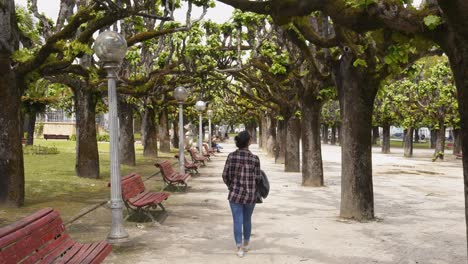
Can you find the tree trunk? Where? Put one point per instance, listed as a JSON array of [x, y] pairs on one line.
[[325, 134], [408, 142], [356, 90], [11, 151], [456, 141], [175, 138], [292, 161], [126, 139], [338, 129], [150, 133], [375, 135], [265, 123], [312, 167], [433, 138], [333, 136], [164, 137], [416, 135], [260, 132], [251, 127], [271, 135], [454, 45], [386, 139], [440, 142], [87, 155], [254, 133], [280, 147], [31, 127]]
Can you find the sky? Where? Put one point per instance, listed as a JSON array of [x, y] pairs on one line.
[[221, 13]]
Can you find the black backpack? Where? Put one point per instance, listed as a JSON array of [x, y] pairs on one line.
[[263, 187]]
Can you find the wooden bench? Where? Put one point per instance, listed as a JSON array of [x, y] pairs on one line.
[[196, 158], [209, 150], [189, 166], [170, 177], [139, 200], [53, 136], [41, 238]]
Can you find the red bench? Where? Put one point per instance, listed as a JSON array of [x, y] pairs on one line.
[[189, 166], [41, 238], [171, 177], [208, 150], [53, 136], [137, 199], [196, 158]]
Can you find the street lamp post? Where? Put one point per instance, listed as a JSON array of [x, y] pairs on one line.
[[180, 94], [200, 106], [111, 47], [209, 113]]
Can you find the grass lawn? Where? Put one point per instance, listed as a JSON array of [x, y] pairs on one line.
[[399, 144], [50, 180]]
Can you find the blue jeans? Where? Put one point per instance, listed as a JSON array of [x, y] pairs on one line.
[[242, 217]]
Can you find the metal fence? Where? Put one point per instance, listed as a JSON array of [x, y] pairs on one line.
[[56, 116]]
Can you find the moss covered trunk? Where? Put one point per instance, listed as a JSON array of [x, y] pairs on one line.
[[292, 162], [87, 155], [408, 142], [356, 92], [386, 139], [280, 146], [271, 135], [126, 139], [150, 133], [312, 167], [11, 151], [164, 136]]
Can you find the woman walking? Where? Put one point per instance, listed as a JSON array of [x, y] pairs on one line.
[[241, 171]]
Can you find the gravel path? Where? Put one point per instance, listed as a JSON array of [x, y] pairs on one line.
[[419, 207]]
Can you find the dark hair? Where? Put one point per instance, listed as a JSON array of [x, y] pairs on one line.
[[242, 140]]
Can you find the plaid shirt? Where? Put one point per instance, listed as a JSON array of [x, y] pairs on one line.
[[241, 170]]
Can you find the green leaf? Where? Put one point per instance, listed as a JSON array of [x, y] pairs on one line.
[[432, 21], [360, 62]]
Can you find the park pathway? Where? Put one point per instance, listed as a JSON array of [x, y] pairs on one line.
[[419, 206]]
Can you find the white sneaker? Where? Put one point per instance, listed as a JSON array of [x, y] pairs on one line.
[[246, 247], [240, 252]]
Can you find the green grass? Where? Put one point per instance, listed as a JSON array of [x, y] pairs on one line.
[[399, 144], [50, 180]]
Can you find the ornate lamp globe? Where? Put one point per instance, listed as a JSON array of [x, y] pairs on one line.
[[180, 94], [209, 113], [110, 47], [200, 106]]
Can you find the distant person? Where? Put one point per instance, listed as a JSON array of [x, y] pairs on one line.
[[215, 144], [226, 136], [241, 171]]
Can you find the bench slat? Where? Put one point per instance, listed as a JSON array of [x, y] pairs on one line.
[[41, 238], [170, 175], [23, 222], [93, 252], [70, 253], [135, 194], [148, 198], [132, 186], [53, 250], [81, 253], [33, 237]]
